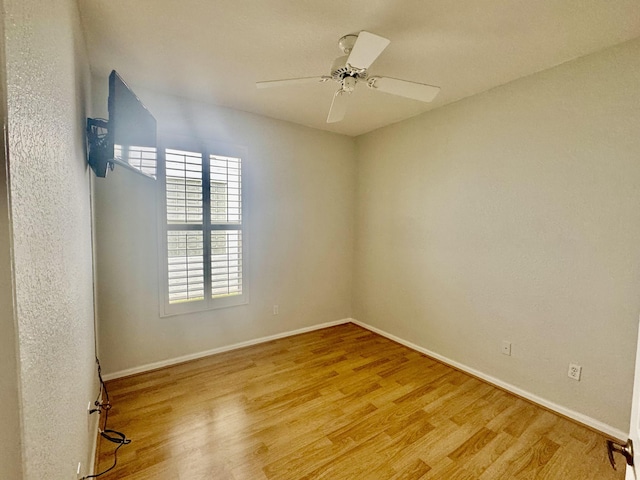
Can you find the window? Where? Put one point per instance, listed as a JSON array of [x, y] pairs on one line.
[[142, 159], [203, 220]]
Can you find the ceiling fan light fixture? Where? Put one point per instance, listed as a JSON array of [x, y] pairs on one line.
[[349, 84]]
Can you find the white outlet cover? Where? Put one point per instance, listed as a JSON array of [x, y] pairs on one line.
[[575, 371], [506, 347]]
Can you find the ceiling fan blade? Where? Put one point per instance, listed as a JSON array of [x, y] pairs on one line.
[[404, 88], [291, 81], [338, 106], [366, 49]]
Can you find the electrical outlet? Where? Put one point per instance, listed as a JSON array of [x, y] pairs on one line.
[[575, 371], [506, 348], [276, 310]]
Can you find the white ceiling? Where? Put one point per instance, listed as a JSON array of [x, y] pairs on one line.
[[215, 50]]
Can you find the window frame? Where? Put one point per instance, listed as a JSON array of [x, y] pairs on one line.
[[206, 148]]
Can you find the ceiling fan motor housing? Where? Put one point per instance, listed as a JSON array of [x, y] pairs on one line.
[[341, 69]]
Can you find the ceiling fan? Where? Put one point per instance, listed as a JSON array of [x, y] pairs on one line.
[[360, 51]]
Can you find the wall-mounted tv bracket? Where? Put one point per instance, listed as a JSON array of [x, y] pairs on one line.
[[100, 151]]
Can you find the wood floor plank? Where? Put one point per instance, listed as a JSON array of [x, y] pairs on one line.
[[416, 470], [489, 454], [473, 444], [338, 403]]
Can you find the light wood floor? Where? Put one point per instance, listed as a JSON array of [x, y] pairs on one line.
[[338, 403]]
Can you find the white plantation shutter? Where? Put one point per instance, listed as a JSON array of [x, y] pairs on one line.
[[226, 269], [184, 187], [184, 207], [226, 216], [226, 193], [203, 223], [185, 265]]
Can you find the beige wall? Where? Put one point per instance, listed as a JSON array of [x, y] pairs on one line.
[[514, 215], [47, 76], [299, 186]]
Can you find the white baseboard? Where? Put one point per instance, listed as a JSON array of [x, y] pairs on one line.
[[194, 356], [578, 417]]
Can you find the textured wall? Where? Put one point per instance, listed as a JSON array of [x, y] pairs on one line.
[[10, 440], [47, 85], [299, 205], [514, 215]]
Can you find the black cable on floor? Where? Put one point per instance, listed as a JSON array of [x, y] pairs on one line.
[[115, 462], [111, 435]]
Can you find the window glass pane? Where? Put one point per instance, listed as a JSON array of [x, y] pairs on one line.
[[226, 263], [183, 187], [185, 265], [226, 194], [141, 158]]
